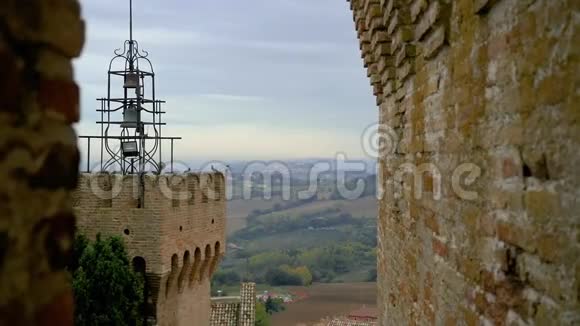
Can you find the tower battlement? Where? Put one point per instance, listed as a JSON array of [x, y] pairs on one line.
[[106, 190], [173, 226]]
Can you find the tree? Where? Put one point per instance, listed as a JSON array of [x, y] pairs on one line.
[[372, 275], [80, 244], [262, 261], [228, 277], [262, 317], [304, 274], [274, 305], [279, 277], [107, 291]]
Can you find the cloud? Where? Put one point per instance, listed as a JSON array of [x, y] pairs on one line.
[[154, 37], [232, 98], [246, 79]]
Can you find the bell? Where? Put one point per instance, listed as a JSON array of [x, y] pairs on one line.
[[131, 80], [130, 117]]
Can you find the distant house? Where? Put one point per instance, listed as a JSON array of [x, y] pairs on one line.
[[286, 298]]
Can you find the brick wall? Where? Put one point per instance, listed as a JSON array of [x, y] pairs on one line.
[[178, 228], [38, 158], [493, 83]]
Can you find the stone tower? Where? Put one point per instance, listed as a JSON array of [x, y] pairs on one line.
[[173, 224], [175, 235]]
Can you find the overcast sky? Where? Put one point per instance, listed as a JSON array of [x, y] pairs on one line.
[[253, 79]]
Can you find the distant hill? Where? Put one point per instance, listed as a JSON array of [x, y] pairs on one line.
[[239, 210], [297, 242]]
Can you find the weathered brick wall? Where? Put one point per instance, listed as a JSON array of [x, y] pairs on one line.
[[179, 229], [493, 83], [38, 158]]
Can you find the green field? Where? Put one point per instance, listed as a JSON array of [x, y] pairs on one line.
[[298, 242], [239, 209]]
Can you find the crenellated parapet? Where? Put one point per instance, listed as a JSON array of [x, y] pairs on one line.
[[393, 34], [171, 190]]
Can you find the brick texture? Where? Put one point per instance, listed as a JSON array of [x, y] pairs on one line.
[[36, 220], [493, 83]]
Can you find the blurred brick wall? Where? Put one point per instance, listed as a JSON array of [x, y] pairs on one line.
[[38, 158], [493, 83]]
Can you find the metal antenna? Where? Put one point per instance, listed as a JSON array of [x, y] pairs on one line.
[[131, 20]]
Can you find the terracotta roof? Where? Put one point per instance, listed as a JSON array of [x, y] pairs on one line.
[[224, 314], [364, 312], [234, 311]]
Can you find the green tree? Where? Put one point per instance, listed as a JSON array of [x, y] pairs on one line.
[[263, 261], [262, 317], [274, 305], [225, 277], [107, 291], [279, 277], [80, 244], [301, 272], [304, 274], [372, 275]]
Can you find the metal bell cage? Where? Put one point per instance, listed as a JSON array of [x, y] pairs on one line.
[[137, 146]]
